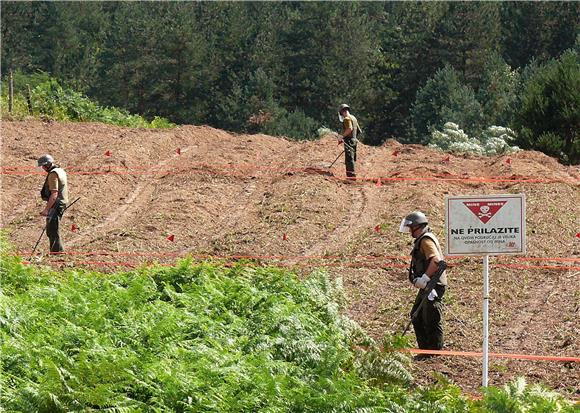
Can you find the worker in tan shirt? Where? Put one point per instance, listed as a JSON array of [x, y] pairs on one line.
[[350, 130], [55, 193], [425, 258]]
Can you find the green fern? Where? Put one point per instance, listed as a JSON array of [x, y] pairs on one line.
[[204, 338]]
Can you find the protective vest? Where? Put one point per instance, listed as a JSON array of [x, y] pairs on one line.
[[419, 262], [355, 127], [62, 186]]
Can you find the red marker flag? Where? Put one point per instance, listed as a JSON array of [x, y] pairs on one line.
[[508, 161], [395, 153], [446, 160], [378, 228], [578, 235], [378, 182], [171, 238], [284, 238], [178, 151], [74, 228], [108, 153]]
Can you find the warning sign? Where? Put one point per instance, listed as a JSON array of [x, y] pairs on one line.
[[484, 210], [486, 224]]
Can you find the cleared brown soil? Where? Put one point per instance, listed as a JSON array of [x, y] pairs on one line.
[[258, 195]]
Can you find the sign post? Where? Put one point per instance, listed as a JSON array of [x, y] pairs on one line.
[[485, 225], [485, 349]]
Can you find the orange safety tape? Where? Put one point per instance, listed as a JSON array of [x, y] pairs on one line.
[[491, 354], [544, 267], [316, 265], [211, 168], [249, 166], [495, 355], [296, 257], [210, 256], [133, 264], [284, 257], [101, 263], [546, 259]]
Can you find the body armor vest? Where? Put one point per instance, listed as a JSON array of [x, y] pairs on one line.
[[62, 184], [355, 127], [419, 262]]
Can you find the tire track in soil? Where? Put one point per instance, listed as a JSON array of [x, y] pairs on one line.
[[255, 192], [523, 321], [366, 200], [362, 200], [142, 192], [136, 199]]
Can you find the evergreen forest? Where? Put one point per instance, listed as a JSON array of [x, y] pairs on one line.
[[407, 69]]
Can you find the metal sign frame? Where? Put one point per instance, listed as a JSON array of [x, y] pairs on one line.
[[485, 224], [506, 235]]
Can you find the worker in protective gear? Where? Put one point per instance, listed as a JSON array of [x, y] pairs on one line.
[[55, 193], [425, 257], [350, 130]]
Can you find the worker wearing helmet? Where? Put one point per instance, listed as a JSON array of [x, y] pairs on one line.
[[425, 257], [55, 193], [350, 130]]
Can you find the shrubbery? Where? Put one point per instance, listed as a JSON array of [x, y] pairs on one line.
[[542, 103], [195, 338], [293, 124], [50, 100], [494, 140], [189, 338], [251, 107], [444, 97]]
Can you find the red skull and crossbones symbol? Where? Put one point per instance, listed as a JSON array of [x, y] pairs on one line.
[[484, 212]]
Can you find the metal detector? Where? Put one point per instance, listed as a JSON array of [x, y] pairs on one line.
[[333, 162], [44, 229]]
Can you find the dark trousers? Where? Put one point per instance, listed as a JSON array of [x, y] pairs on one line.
[[428, 324], [350, 156], [53, 229]]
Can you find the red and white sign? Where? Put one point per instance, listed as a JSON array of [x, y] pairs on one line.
[[484, 210], [486, 224]]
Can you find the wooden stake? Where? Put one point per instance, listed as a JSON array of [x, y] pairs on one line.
[[29, 100], [10, 92]]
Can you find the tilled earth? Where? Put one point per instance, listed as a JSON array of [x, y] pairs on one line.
[[158, 195]]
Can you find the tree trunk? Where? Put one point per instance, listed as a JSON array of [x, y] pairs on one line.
[[29, 100]]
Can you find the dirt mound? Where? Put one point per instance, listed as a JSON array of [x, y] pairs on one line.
[[236, 196]]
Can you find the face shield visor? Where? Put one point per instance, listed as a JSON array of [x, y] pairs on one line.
[[404, 227], [340, 117]]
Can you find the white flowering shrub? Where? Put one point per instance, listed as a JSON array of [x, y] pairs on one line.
[[497, 139], [493, 141], [323, 131]]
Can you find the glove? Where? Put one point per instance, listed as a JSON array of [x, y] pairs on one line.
[[432, 295], [421, 282]]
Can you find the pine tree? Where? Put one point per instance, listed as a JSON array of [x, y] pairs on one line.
[[497, 92], [444, 98], [549, 117]]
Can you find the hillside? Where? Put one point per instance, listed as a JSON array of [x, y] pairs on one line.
[[241, 195]]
